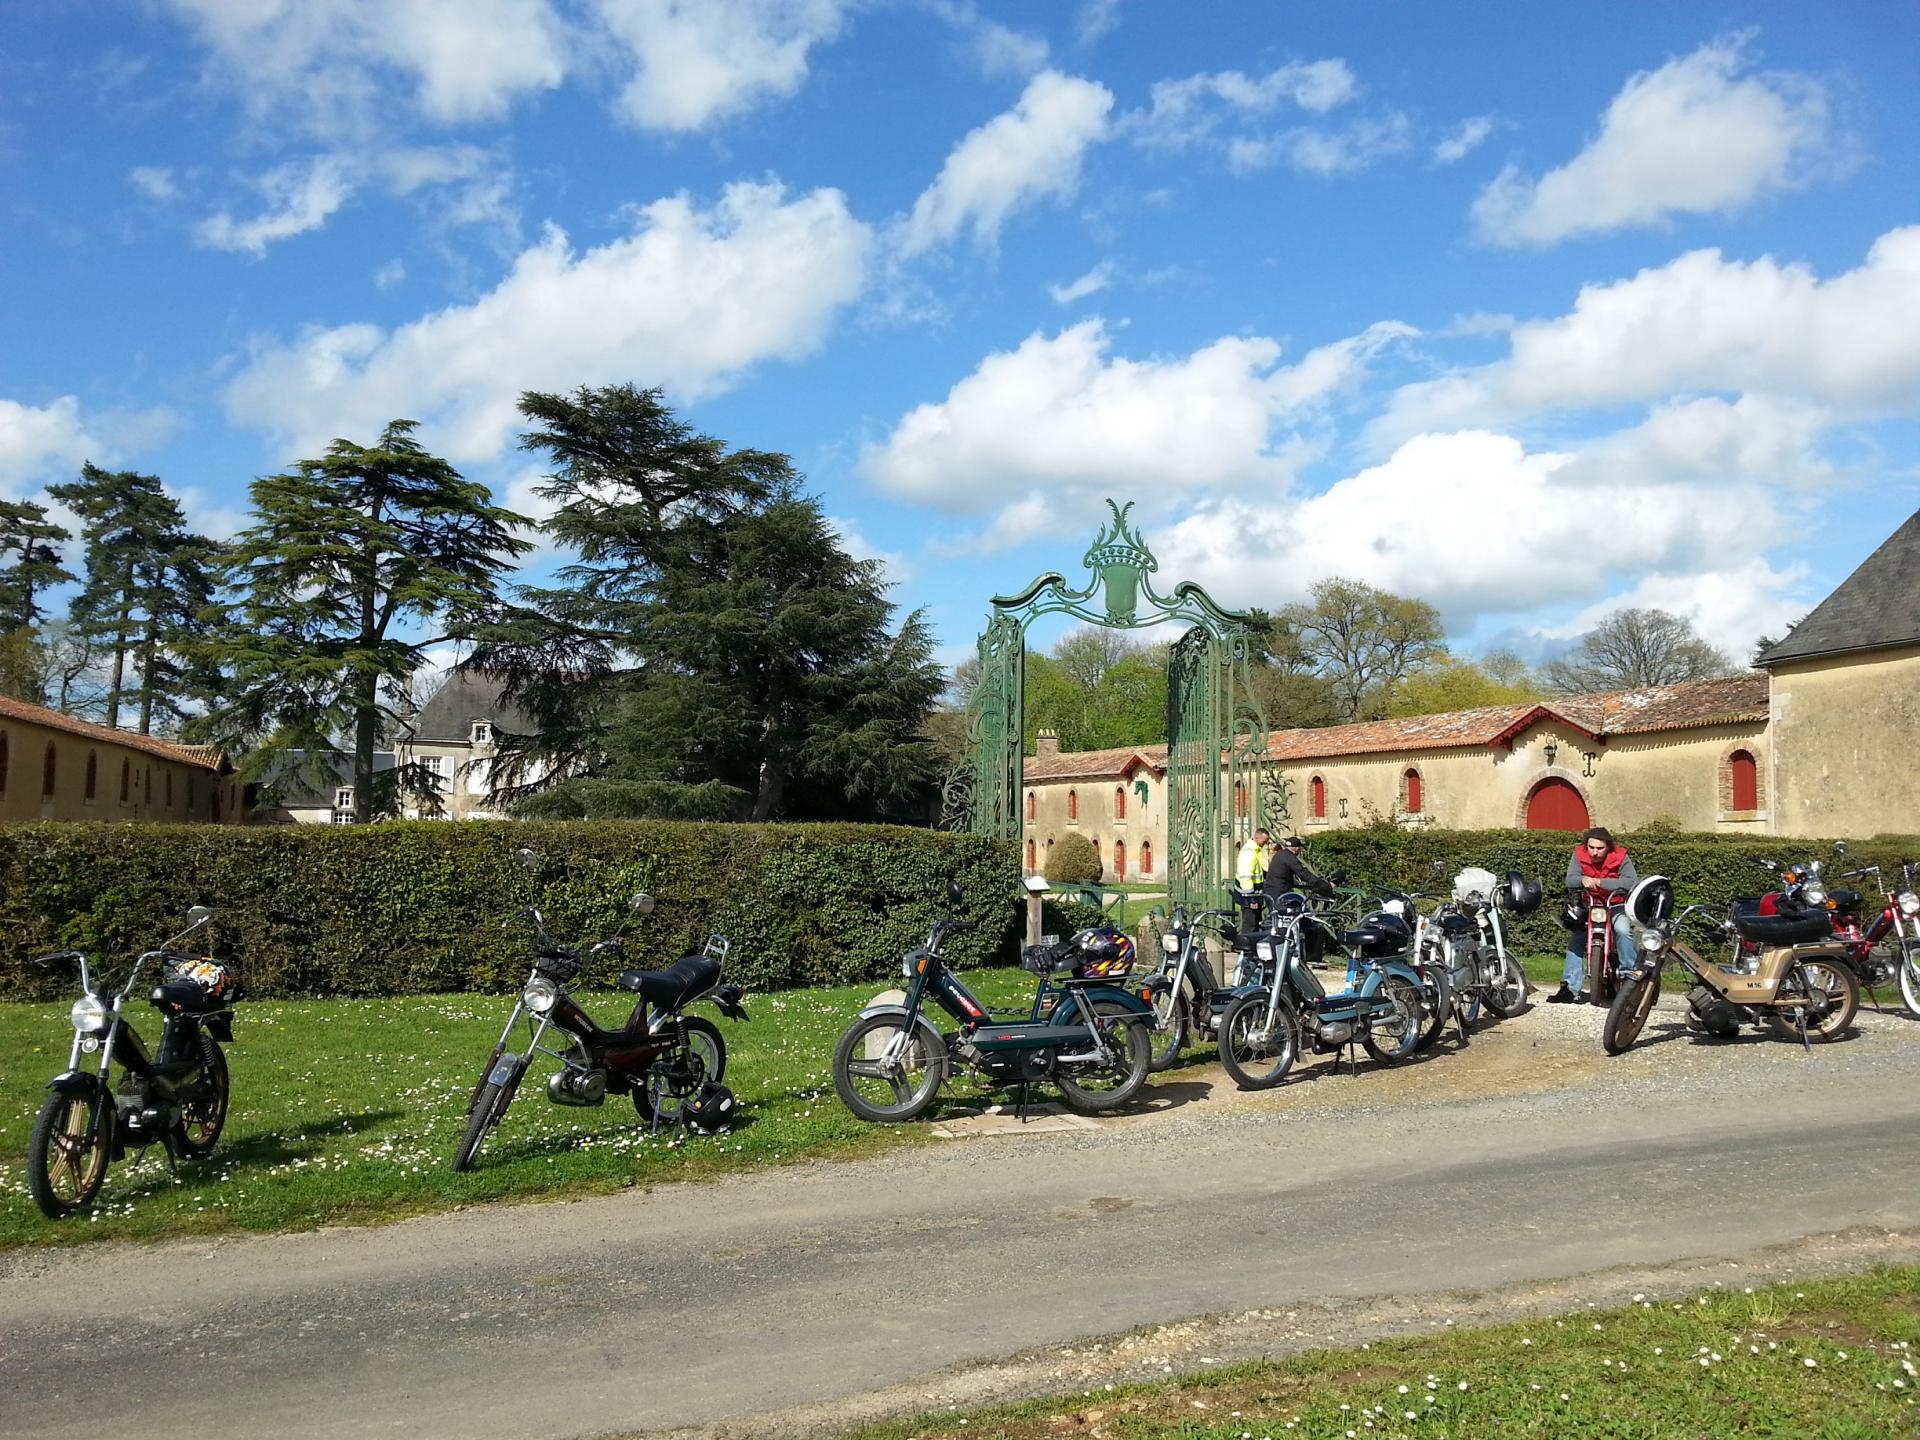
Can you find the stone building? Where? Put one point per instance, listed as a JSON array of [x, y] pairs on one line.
[[455, 737], [55, 767], [1817, 742]]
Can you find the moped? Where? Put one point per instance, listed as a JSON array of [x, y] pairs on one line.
[[1798, 983], [1465, 937], [1088, 1032], [176, 1097], [1184, 985], [1887, 948], [669, 1062]]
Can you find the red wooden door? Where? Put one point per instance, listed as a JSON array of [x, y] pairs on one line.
[[1556, 805]]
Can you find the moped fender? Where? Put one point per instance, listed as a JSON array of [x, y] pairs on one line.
[[503, 1069], [936, 1042], [1129, 1000], [75, 1082], [727, 998]]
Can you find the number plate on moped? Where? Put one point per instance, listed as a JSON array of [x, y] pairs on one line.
[[503, 1072]]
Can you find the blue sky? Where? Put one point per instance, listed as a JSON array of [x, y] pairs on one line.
[[1530, 310]]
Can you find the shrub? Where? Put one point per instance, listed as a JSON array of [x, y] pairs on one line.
[[1073, 861], [410, 908]]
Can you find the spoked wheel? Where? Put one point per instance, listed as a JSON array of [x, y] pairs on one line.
[[1256, 1054], [1629, 1011], [487, 1108], [1090, 1090], [882, 1073], [1436, 1005], [1507, 995], [677, 1077], [1170, 1010], [68, 1152], [1825, 1009], [1910, 977], [1393, 1031], [1603, 981], [205, 1114]]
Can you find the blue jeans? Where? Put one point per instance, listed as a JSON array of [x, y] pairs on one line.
[[1624, 952]]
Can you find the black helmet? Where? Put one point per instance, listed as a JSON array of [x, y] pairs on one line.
[[1519, 894], [1103, 950], [1573, 915], [709, 1112], [1380, 934]]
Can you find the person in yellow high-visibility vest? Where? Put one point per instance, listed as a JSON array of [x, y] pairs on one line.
[[1249, 869]]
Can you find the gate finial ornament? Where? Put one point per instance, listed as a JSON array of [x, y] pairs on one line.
[[1120, 557]]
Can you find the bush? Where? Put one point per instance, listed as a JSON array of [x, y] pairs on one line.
[[1073, 861], [412, 908], [1709, 869]]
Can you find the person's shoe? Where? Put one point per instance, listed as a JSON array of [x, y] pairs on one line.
[[1563, 996]]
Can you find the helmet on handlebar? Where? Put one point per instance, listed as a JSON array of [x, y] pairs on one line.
[[1651, 901], [1519, 894], [1103, 950]]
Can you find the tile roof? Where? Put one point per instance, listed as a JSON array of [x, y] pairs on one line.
[[200, 755], [1090, 764], [1453, 730], [1731, 700], [1876, 606]]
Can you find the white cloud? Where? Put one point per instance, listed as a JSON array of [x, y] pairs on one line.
[[299, 198], [1091, 283], [1194, 109], [1097, 19], [1702, 323], [156, 182], [326, 61], [894, 569], [1030, 153], [1465, 139], [1063, 416], [1731, 608], [1323, 151], [702, 61], [997, 49], [38, 443], [688, 301], [1700, 135], [393, 273]]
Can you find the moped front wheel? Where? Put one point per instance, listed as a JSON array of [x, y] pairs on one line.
[[1910, 977], [1170, 1009], [478, 1119], [1507, 995], [68, 1151], [1255, 1054], [884, 1074], [1127, 1037], [204, 1115], [1627, 1015], [673, 1081], [1394, 1030]]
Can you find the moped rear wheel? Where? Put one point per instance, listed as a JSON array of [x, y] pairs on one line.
[[204, 1116], [1628, 1013], [1832, 999], [68, 1152], [1089, 1090], [1393, 1033], [674, 1080], [1507, 996], [1170, 1010], [1255, 1055], [883, 1092]]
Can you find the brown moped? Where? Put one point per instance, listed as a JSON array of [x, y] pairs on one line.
[[1796, 981]]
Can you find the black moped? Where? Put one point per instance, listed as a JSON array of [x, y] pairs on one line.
[[176, 1097], [1086, 1033]]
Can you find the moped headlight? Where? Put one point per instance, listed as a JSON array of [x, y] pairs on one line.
[[1264, 949], [1909, 903], [1814, 894], [539, 995], [1171, 943], [1653, 941], [90, 1014]]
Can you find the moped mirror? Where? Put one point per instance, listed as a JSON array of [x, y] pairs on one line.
[[526, 859], [199, 915], [954, 894], [642, 903], [1840, 847]]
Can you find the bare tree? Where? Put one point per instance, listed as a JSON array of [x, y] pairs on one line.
[[1363, 641], [1635, 648]]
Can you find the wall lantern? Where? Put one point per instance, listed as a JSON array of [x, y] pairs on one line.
[[1552, 750]]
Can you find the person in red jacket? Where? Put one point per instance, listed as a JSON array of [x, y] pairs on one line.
[[1599, 870]]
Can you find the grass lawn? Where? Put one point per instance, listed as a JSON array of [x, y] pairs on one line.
[[1818, 1360], [347, 1111]]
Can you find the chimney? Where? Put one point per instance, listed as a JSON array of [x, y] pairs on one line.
[[1046, 744]]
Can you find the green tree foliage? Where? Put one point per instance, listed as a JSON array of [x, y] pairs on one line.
[[1363, 642], [1072, 860], [23, 666], [29, 546], [147, 584], [1449, 683], [1097, 689], [1633, 648], [355, 564], [712, 637], [1292, 694]]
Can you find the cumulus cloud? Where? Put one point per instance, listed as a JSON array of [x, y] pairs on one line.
[[894, 569], [1703, 134], [1030, 153], [997, 49], [1091, 283], [1702, 323], [697, 62], [1096, 20], [299, 198], [688, 301], [1322, 150], [156, 182], [1465, 139], [1062, 416], [42, 442], [1196, 108]]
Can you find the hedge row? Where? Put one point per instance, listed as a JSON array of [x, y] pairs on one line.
[[430, 906], [1709, 869]]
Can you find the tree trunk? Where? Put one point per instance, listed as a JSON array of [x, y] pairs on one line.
[[119, 671], [773, 773], [149, 645], [366, 727]]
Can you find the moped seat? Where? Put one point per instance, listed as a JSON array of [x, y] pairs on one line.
[[1788, 928], [187, 997], [672, 987], [1456, 925]]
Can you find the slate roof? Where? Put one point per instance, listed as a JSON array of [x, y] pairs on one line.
[[1876, 606], [447, 718], [201, 755], [292, 790]]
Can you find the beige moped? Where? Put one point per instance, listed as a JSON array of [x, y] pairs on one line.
[[1796, 981]]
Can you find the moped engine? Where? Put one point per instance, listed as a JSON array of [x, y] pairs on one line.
[[577, 1087], [1718, 1016], [1036, 1064]]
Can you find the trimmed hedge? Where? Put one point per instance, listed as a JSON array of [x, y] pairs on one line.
[[412, 908], [1708, 869]]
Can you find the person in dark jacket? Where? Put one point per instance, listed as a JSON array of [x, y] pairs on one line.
[[1598, 872], [1288, 870]]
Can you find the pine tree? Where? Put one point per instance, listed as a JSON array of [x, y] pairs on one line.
[[29, 541]]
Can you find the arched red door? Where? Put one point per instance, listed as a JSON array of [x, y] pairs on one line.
[[1556, 805]]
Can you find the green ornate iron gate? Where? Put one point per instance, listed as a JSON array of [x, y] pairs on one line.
[[1219, 785]]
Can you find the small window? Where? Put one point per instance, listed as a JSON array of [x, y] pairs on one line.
[[1033, 852], [1119, 802], [93, 775], [1318, 790], [482, 732], [126, 780], [1033, 805], [1119, 860], [1146, 859], [1240, 799], [146, 784], [1412, 779], [169, 789], [48, 767], [5, 754], [191, 788], [1745, 775], [1073, 804]]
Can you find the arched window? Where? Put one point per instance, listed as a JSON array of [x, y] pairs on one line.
[[5, 755], [1240, 799], [1412, 781], [1032, 854], [1119, 802], [1119, 859], [1096, 851], [1073, 804], [1033, 805], [47, 769], [1146, 858], [1745, 775], [146, 785], [126, 780], [1318, 790], [93, 775]]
